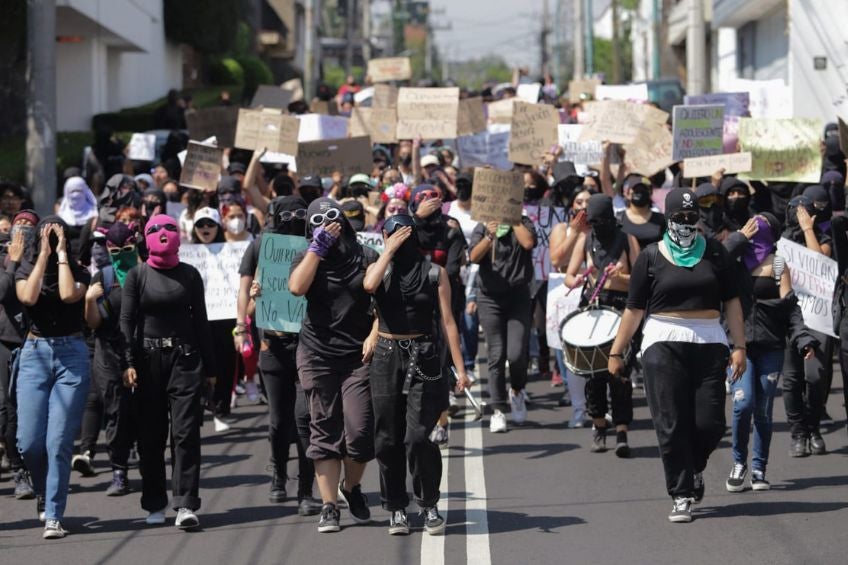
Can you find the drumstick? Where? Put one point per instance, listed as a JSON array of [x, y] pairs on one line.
[[599, 286], [588, 272]]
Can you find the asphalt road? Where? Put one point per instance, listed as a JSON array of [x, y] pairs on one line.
[[532, 495]]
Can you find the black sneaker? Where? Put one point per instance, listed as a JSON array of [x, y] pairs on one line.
[[399, 523], [736, 480], [799, 447], [308, 506], [698, 488], [357, 503], [119, 485], [82, 464], [23, 485], [758, 480], [433, 521], [817, 446], [622, 449], [599, 441], [681, 511], [329, 521], [278, 488]]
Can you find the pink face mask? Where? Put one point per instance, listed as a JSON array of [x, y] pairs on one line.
[[163, 242]]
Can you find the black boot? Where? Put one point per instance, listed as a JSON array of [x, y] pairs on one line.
[[799, 447], [278, 487]]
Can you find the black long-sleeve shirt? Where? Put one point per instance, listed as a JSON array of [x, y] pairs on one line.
[[165, 303]]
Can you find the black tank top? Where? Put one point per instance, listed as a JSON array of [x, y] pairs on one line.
[[765, 288], [647, 233], [407, 311]]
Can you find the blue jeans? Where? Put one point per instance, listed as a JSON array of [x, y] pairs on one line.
[[753, 394], [52, 387], [468, 325]]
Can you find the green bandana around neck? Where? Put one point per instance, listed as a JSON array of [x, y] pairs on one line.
[[503, 229], [686, 256], [122, 263]]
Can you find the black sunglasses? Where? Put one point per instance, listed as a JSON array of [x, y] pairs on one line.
[[119, 250], [328, 216], [288, 215], [205, 224], [158, 227], [685, 217]]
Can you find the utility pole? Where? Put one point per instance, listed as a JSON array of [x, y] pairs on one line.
[[543, 38], [655, 59], [590, 38], [695, 48], [579, 59], [366, 30], [399, 17], [309, 51], [558, 48], [616, 53], [350, 17], [41, 103]]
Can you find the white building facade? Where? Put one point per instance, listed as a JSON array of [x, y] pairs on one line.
[[111, 54]]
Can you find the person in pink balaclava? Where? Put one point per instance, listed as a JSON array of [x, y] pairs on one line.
[[167, 354]]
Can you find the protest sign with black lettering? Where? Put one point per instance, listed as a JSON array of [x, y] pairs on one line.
[[544, 219], [471, 118], [578, 152], [697, 131], [348, 156], [497, 196], [706, 166], [561, 301], [219, 122], [813, 279], [427, 112], [485, 148], [277, 308], [652, 150], [782, 149], [380, 124], [533, 132], [389, 68], [373, 240], [315, 127], [618, 121], [500, 112], [736, 105], [218, 265], [142, 147], [270, 96], [269, 129], [202, 166], [385, 96]]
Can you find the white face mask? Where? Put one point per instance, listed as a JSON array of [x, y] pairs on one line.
[[682, 234], [235, 225]]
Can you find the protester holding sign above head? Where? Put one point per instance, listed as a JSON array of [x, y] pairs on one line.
[[168, 353], [336, 342]]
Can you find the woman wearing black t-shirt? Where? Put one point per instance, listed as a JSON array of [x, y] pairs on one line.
[[408, 387], [336, 341], [642, 225], [684, 282], [53, 380]]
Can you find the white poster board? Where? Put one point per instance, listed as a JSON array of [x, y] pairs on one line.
[[813, 280], [218, 264], [560, 303]]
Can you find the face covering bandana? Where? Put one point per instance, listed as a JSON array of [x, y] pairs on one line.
[[235, 225], [29, 235], [122, 263], [687, 255], [163, 242], [640, 198], [502, 230]]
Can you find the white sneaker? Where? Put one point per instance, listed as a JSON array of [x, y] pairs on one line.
[[220, 425], [252, 391], [472, 376], [497, 423], [239, 388], [155, 518], [519, 407], [186, 519], [233, 400]]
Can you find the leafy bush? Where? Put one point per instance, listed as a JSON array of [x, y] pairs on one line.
[[256, 72], [226, 71]]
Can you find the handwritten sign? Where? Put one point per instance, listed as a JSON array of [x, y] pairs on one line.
[[348, 156], [219, 122], [218, 265], [578, 152], [579, 89], [698, 131], [629, 92], [427, 112], [269, 96], [652, 151], [278, 309], [529, 92], [500, 112], [380, 124], [736, 105], [533, 132], [782, 150], [471, 118], [142, 147], [813, 279], [706, 166], [544, 219], [267, 128], [389, 68], [373, 240], [202, 166], [618, 121], [560, 303], [485, 148], [315, 127], [497, 196], [385, 96]]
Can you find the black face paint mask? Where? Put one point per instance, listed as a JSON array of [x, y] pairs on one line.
[[640, 198]]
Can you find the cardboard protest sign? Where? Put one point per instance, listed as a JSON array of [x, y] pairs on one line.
[[202, 166], [497, 196], [843, 135], [782, 150], [380, 124], [142, 147], [652, 151], [348, 156], [385, 96], [618, 121], [579, 87], [315, 127], [706, 166], [767, 98], [544, 219], [813, 279], [471, 118], [218, 265], [697, 131], [561, 302], [270, 96], [389, 68], [267, 128], [373, 240], [427, 112], [500, 112], [529, 92], [580, 153], [326, 107], [533, 132], [278, 309], [219, 122], [485, 148], [735, 103], [629, 92]]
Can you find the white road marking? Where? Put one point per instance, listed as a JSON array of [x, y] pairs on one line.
[[478, 551], [433, 547]]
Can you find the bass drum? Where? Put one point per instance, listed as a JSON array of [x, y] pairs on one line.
[[587, 337]]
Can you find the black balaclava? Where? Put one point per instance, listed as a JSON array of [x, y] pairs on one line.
[[821, 204], [293, 226], [407, 260], [431, 229], [343, 260], [600, 215], [792, 230], [51, 272], [712, 217], [737, 211]]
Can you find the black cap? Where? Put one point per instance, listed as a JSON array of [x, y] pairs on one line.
[[632, 181], [229, 184], [311, 181], [563, 170], [355, 214], [680, 200], [705, 189], [236, 168]]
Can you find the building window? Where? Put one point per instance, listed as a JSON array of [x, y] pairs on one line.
[[745, 50]]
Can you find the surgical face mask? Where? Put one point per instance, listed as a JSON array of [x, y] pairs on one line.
[[640, 198], [682, 229], [235, 225]]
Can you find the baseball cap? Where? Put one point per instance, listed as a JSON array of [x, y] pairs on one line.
[[359, 178], [310, 181], [355, 214], [428, 160], [207, 213], [236, 168], [680, 200]]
